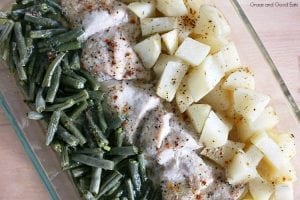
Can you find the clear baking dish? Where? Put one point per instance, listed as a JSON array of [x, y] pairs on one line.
[[60, 185]]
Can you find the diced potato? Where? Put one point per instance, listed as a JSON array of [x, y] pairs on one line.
[[216, 44], [219, 98], [228, 57], [239, 171], [184, 29], [277, 176], [249, 103], [157, 25], [172, 8], [239, 79], [254, 155], [170, 39], [225, 119], [214, 132], [170, 80], [183, 96], [193, 7], [260, 189], [142, 9], [192, 51], [270, 149], [223, 155], [211, 22], [266, 121], [202, 79], [284, 192], [286, 143], [162, 62], [198, 114], [149, 50]]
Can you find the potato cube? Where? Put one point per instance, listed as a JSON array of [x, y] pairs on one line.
[[228, 57], [287, 145], [170, 80], [142, 9], [223, 155], [150, 26], [239, 171], [214, 132], [170, 40], [172, 8], [198, 114], [202, 79], [192, 51], [249, 103], [183, 96], [260, 189], [284, 191], [254, 155], [162, 62], [149, 50], [239, 79], [219, 98], [211, 22], [216, 44], [270, 149]]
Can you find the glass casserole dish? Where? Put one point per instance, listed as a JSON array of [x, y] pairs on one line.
[[60, 185]]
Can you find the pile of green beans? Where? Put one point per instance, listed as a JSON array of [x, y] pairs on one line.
[[39, 45]]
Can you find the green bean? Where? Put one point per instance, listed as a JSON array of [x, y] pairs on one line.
[[74, 45], [116, 122], [50, 71], [3, 15], [123, 151], [72, 165], [96, 95], [96, 177], [100, 116], [20, 69], [117, 193], [69, 125], [93, 162], [64, 135], [81, 95], [88, 196], [43, 21], [66, 64], [90, 151], [91, 80], [124, 198], [34, 115], [79, 171], [90, 140], [52, 126], [52, 91], [134, 174], [40, 103], [109, 183], [75, 61], [9, 25], [40, 73], [129, 189], [48, 33], [119, 159], [57, 146], [120, 135], [100, 138], [65, 161], [24, 2], [73, 74], [53, 4], [114, 189], [22, 49], [78, 110], [61, 106], [31, 65], [59, 18], [142, 167], [72, 82]]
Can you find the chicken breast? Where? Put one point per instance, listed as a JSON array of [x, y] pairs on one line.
[[110, 32], [170, 147]]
